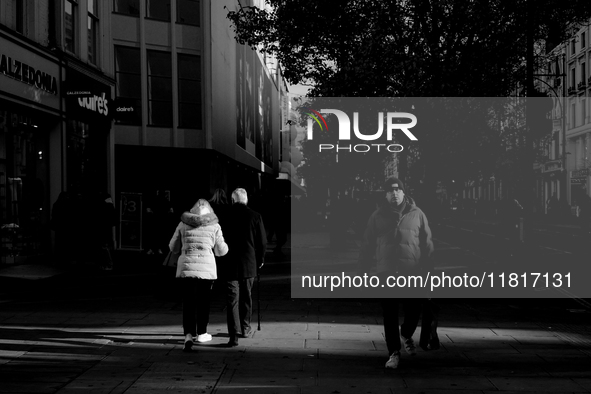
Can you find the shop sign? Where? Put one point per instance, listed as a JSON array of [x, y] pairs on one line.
[[580, 173], [578, 181], [28, 74], [127, 110], [553, 166], [87, 98]]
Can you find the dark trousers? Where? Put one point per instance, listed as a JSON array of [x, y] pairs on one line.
[[430, 318], [239, 305], [196, 299], [412, 313]]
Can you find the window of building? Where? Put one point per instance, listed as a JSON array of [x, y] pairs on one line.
[[583, 112], [19, 14], [127, 7], [159, 88], [189, 91], [572, 47], [573, 79], [583, 40], [71, 23], [583, 73], [128, 87], [92, 31], [158, 9], [573, 117], [188, 12]]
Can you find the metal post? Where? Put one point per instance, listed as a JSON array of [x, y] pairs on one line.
[[259, 300]]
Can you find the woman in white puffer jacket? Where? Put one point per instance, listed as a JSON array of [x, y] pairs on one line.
[[198, 243]]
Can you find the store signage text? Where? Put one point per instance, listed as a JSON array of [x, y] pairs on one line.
[[95, 103], [28, 74], [580, 173], [553, 166]]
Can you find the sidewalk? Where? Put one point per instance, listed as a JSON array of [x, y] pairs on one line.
[[132, 344]]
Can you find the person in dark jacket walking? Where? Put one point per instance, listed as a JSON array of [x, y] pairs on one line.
[[399, 237], [247, 241]]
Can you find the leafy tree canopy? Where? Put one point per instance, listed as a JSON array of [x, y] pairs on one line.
[[405, 48]]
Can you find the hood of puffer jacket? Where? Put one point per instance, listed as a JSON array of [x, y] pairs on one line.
[[195, 220]]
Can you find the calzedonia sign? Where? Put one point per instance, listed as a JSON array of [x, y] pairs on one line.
[[27, 73]]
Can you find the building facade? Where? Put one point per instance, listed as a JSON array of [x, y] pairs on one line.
[[570, 62], [55, 125], [128, 98]]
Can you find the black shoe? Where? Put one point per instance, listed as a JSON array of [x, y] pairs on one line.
[[434, 343], [233, 342], [188, 346]]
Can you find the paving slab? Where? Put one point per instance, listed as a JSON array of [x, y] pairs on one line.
[[473, 383], [537, 384], [134, 345]]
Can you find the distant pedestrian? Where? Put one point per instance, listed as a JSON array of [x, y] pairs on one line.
[[107, 218], [399, 237], [552, 206], [198, 237], [247, 241]]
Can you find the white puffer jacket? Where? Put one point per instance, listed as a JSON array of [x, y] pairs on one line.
[[199, 245]]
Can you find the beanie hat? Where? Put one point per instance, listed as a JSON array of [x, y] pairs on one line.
[[393, 182]]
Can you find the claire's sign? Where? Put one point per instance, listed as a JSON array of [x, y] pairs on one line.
[[87, 98]]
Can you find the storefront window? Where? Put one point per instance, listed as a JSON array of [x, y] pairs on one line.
[[24, 185], [86, 157]]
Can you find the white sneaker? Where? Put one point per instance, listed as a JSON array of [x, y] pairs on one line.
[[393, 361], [409, 346], [203, 338]]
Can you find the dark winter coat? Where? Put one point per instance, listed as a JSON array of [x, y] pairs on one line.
[[246, 237], [398, 245]]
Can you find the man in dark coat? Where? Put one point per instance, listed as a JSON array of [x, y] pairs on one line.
[[247, 242]]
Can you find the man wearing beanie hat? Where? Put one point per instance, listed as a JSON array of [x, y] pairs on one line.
[[399, 237]]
